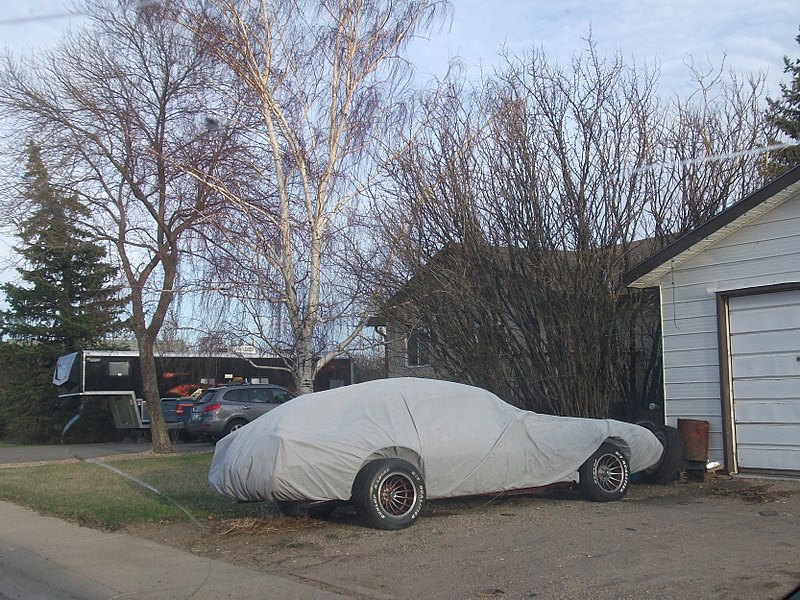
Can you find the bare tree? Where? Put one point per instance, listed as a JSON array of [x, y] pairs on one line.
[[321, 80], [700, 151], [121, 104], [523, 205]]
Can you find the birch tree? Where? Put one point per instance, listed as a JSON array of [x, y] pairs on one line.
[[321, 81]]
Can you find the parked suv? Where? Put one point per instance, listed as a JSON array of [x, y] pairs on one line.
[[224, 409]]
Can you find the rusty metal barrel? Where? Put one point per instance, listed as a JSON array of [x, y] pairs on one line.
[[695, 439]]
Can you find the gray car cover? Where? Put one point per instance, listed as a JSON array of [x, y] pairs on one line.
[[464, 439]]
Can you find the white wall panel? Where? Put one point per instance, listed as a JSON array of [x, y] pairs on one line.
[[779, 341], [766, 457]]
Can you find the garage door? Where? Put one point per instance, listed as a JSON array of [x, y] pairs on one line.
[[765, 367]]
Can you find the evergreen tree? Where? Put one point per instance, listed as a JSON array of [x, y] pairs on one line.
[[784, 114], [69, 301], [66, 301]]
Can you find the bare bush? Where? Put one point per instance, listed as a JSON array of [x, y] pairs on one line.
[[525, 202]]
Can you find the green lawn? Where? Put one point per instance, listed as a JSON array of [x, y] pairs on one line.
[[94, 495]]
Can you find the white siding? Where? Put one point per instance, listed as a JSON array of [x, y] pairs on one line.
[[763, 253]]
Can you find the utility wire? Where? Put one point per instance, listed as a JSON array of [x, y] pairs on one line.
[[66, 15], [35, 19]]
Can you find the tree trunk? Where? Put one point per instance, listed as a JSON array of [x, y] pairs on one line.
[[158, 427], [304, 372]]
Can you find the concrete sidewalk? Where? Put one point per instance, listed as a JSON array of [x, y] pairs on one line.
[[44, 557]]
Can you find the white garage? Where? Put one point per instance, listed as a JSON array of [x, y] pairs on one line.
[[730, 319]]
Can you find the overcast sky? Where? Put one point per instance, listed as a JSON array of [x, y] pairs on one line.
[[754, 36], [750, 36]]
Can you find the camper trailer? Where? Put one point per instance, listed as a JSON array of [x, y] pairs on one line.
[[114, 377]]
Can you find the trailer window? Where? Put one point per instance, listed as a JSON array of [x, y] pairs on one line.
[[119, 369]]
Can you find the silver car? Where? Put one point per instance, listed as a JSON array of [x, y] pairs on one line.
[[219, 411]]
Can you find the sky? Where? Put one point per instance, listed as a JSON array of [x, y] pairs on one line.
[[750, 37]]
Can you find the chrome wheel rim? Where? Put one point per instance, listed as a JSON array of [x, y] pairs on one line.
[[397, 494], [609, 472]]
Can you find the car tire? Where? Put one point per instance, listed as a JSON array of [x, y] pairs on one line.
[[606, 475], [234, 425], [647, 425], [389, 494], [668, 467], [187, 437]]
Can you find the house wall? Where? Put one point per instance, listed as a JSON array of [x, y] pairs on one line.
[[396, 363], [765, 252]]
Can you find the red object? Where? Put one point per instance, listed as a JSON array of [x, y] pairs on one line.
[[212, 407], [184, 389], [695, 439], [172, 375]]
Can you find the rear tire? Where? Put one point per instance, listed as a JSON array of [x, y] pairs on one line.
[[606, 475], [389, 494], [234, 425], [187, 437]]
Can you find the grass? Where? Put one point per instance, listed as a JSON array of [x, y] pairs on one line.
[[93, 495]]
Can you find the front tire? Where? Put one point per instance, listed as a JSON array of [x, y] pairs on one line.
[[389, 494], [606, 475]]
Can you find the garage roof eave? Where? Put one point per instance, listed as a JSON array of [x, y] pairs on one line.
[[649, 272]]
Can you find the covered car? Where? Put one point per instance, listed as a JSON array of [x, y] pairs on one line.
[[388, 445]]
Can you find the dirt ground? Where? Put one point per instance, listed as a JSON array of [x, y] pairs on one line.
[[724, 538]]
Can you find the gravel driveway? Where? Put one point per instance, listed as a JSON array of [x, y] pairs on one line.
[[727, 538]]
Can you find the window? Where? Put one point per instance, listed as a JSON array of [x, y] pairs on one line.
[[417, 351], [119, 368], [281, 396], [260, 395], [239, 395]]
